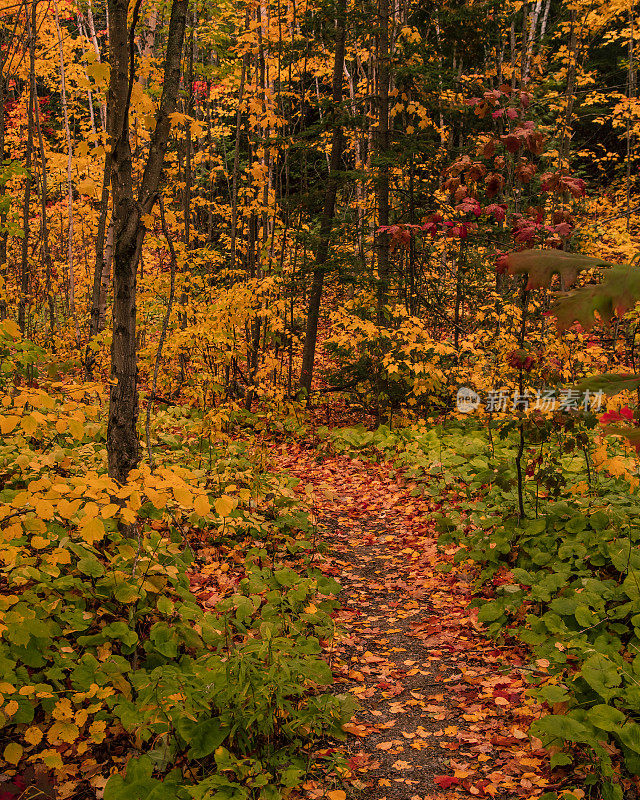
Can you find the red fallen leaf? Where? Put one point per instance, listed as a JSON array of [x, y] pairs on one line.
[[504, 741], [445, 781]]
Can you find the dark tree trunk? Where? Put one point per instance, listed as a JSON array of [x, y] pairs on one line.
[[3, 191], [44, 226], [236, 151], [25, 268], [328, 211], [383, 154], [122, 439]]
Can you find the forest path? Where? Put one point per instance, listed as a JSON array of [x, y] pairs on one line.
[[443, 708]]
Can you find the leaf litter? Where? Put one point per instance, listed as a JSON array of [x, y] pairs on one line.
[[444, 711]]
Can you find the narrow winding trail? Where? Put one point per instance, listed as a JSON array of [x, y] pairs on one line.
[[443, 708]]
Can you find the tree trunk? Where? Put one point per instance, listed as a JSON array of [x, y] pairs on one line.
[[44, 225], [99, 293], [96, 48], [383, 154], [99, 268], [122, 440], [67, 131], [570, 96], [630, 94], [188, 143], [328, 211], [105, 278], [236, 155], [3, 191], [25, 269]]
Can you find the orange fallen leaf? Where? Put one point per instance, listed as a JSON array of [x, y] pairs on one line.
[[384, 745], [356, 730]]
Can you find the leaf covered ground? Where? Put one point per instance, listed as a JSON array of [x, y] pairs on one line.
[[443, 710]]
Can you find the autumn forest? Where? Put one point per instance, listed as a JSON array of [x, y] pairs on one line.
[[319, 399]]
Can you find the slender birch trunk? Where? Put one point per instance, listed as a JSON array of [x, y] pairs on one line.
[[67, 133]]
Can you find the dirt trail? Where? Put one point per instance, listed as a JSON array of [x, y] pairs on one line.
[[443, 709]]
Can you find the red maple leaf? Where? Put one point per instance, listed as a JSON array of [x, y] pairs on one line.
[[445, 781]]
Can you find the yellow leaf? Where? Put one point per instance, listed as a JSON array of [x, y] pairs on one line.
[[61, 556], [76, 429], [33, 735], [337, 794], [12, 753], [81, 717], [99, 71], [128, 516], [21, 499], [29, 424], [97, 730], [51, 759], [201, 505], [39, 542], [44, 509], [109, 511], [158, 499], [63, 709], [617, 466], [90, 511], [7, 424], [183, 496], [11, 708], [11, 327], [67, 509], [224, 505], [93, 530], [86, 186], [63, 732], [135, 501]]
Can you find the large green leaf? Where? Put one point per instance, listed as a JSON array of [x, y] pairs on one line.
[[605, 717], [618, 292], [610, 383], [630, 736], [563, 727], [602, 675], [542, 265], [138, 783], [204, 736]]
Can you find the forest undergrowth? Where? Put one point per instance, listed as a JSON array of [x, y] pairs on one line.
[[311, 610], [319, 400]]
